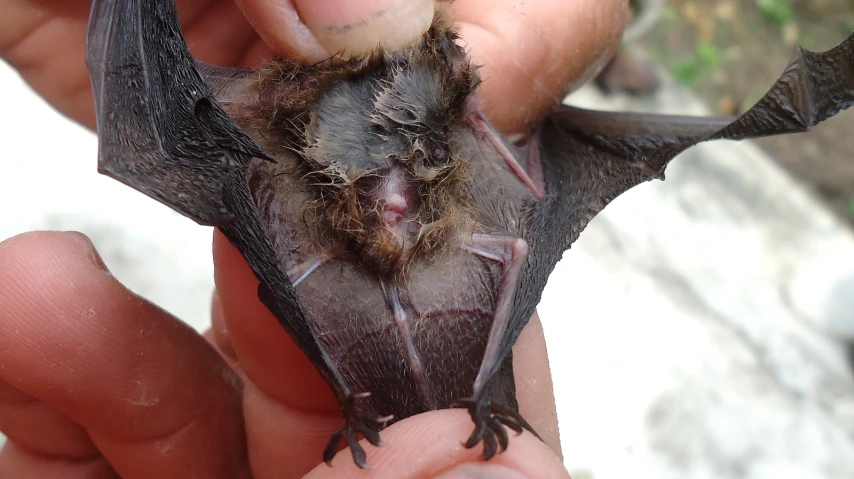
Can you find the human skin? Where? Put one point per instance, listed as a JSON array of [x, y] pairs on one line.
[[96, 382]]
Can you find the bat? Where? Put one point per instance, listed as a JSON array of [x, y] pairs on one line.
[[398, 238]]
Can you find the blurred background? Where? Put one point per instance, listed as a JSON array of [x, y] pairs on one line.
[[728, 50], [701, 327]]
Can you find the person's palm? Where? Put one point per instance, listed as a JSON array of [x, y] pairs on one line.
[[96, 382]]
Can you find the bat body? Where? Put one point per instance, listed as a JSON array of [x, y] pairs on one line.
[[396, 236]]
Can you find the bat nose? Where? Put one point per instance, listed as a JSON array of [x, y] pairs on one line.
[[395, 209]]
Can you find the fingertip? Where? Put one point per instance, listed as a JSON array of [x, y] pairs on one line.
[[534, 52], [41, 270], [47, 249], [429, 445], [19, 462], [278, 23], [478, 471], [357, 28], [135, 377], [313, 30]]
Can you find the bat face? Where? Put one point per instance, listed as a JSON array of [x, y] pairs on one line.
[[397, 237]]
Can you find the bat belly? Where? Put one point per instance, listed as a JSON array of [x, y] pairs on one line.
[[404, 320], [414, 345]]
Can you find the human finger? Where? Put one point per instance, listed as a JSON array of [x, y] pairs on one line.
[[41, 428], [534, 51], [20, 462], [151, 393], [45, 40], [534, 388], [429, 446], [313, 30]]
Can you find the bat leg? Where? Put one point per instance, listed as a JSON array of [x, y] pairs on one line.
[[301, 271], [487, 133], [413, 358], [490, 417], [356, 422], [510, 252]]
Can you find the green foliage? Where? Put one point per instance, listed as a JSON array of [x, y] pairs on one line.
[[776, 12], [851, 206], [705, 61], [708, 55]]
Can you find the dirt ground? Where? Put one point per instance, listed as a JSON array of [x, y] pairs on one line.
[[730, 52]]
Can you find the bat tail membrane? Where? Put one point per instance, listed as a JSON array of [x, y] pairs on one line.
[[592, 157], [160, 128]]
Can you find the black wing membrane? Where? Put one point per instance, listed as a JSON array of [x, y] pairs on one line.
[[161, 130], [596, 156]]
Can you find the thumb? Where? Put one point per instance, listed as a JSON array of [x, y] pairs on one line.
[[313, 30], [429, 446]]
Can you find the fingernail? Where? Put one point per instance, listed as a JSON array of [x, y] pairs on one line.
[[355, 28], [481, 471], [89, 248]]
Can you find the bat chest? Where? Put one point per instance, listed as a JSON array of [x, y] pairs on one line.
[[384, 221]]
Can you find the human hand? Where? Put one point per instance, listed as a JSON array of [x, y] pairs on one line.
[[95, 382], [532, 51], [93, 373]]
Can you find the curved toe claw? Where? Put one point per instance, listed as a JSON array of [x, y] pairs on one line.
[[490, 445], [489, 422], [513, 419], [500, 434], [356, 422]]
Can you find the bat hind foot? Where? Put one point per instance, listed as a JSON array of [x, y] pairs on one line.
[[489, 422], [357, 422]]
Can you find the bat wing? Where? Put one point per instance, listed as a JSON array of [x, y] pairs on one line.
[[160, 129], [588, 158], [585, 159], [164, 130]]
